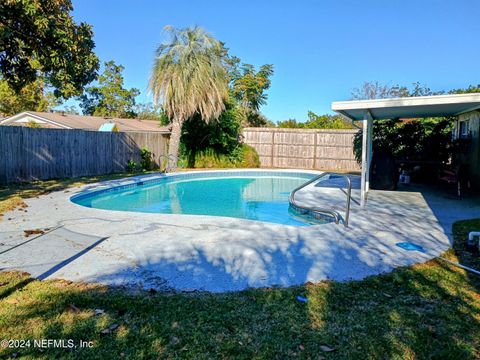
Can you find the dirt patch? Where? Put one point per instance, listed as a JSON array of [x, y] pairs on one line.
[[28, 233], [10, 204]]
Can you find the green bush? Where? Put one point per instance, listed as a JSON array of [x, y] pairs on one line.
[[220, 135], [243, 156], [250, 158], [315, 121], [416, 140], [131, 166], [146, 162]]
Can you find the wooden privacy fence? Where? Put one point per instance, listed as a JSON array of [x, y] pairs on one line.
[[32, 154], [321, 149]]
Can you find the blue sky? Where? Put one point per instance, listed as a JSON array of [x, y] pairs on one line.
[[321, 49]]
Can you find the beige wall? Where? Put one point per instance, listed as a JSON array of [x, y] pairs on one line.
[[473, 156]]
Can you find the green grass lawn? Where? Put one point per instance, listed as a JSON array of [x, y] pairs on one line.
[[430, 310]]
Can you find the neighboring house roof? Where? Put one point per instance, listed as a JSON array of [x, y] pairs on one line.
[[68, 121]]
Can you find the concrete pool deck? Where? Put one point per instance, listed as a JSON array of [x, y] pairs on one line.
[[192, 252]]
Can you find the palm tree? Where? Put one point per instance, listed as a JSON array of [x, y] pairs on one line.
[[188, 78]]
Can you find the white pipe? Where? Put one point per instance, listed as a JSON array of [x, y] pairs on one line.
[[460, 265], [355, 125], [472, 234]]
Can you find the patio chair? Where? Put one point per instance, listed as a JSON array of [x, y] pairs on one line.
[[457, 175]]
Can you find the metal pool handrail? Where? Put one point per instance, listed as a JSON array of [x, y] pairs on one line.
[[325, 211]]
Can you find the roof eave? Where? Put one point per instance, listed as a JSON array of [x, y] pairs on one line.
[[41, 118], [351, 109]]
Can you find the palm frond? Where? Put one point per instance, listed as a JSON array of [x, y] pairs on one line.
[[188, 75]]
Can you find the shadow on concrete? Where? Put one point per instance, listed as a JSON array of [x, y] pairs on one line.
[[233, 257], [46, 254], [65, 262], [446, 207]]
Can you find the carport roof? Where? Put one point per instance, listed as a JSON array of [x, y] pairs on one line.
[[409, 107]]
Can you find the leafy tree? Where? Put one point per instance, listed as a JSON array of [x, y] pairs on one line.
[[109, 97], [326, 122], [291, 124], [70, 109], [269, 123], [40, 39], [188, 79], [33, 97], [422, 90], [248, 87], [469, 90], [411, 139], [317, 122], [220, 135], [375, 90], [429, 139], [149, 111]]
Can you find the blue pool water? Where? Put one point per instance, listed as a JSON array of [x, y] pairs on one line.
[[255, 197]]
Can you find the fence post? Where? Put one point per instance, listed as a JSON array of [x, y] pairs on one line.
[[273, 146]]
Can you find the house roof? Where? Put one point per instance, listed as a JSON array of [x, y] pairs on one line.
[[409, 107], [69, 121]]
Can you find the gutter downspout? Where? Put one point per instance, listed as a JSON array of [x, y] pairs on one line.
[[352, 120], [471, 236]]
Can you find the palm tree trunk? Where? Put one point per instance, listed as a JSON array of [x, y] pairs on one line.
[[174, 144]]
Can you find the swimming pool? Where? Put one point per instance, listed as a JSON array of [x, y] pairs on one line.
[[253, 195]]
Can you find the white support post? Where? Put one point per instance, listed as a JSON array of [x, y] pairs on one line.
[[366, 156], [369, 149]]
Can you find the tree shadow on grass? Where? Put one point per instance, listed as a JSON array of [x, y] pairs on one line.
[[427, 311]]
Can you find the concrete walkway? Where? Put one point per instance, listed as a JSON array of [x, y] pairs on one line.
[[186, 252]]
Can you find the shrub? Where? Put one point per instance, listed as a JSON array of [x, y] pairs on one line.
[[146, 162], [131, 166], [221, 135], [250, 157], [416, 140], [243, 156]]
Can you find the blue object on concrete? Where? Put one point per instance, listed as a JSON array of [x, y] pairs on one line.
[[302, 299], [410, 246]]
